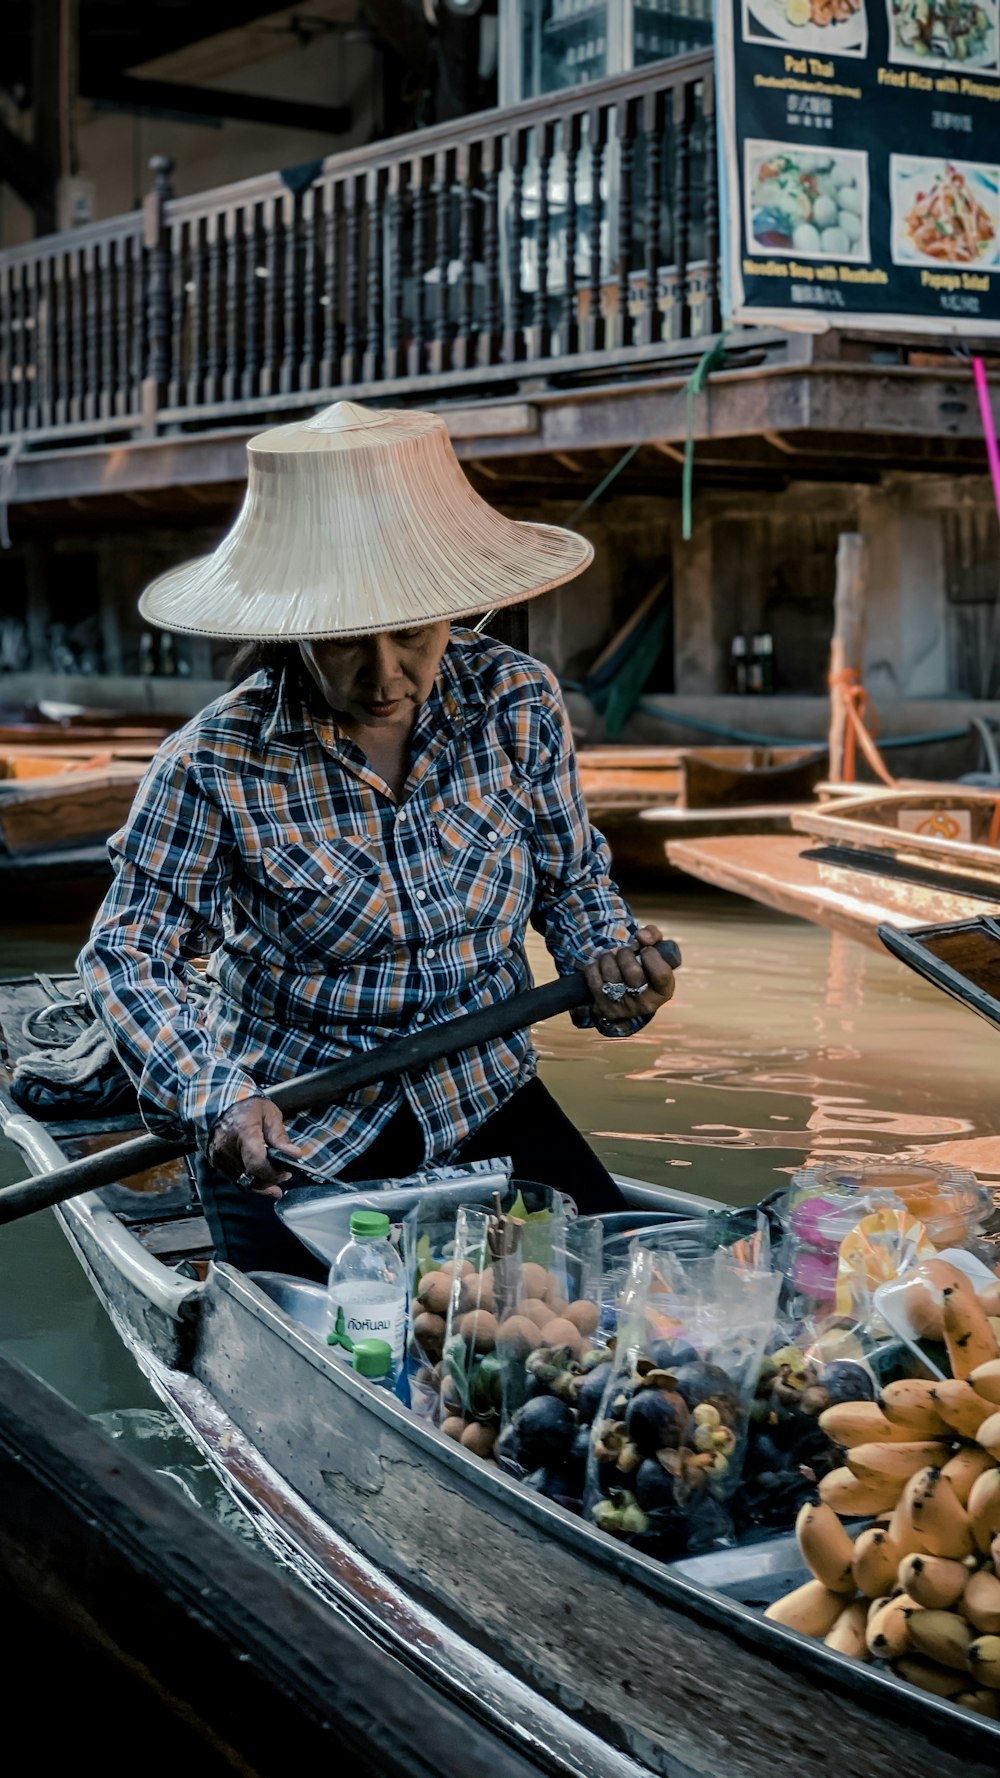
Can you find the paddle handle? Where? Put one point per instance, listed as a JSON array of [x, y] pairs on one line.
[[402, 1055]]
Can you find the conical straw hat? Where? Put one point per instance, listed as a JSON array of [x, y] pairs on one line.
[[357, 520]]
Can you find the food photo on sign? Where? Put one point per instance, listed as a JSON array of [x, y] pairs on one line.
[[807, 203], [831, 27], [944, 212]]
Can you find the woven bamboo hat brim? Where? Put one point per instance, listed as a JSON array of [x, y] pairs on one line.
[[359, 520]]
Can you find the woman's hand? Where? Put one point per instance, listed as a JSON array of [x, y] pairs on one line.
[[240, 1140], [642, 970]]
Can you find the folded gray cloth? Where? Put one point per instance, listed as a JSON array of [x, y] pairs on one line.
[[85, 1075]]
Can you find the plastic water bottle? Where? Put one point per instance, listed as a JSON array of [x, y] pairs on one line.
[[366, 1295]]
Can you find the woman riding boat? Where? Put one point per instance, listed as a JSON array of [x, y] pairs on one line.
[[359, 834]]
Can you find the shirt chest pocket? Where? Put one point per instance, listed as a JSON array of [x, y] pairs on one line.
[[486, 856], [325, 900]]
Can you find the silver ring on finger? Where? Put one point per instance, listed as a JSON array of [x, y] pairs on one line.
[[246, 1180]]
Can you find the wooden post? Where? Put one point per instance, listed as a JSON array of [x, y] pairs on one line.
[[157, 245], [848, 637]]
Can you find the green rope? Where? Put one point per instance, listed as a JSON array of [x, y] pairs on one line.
[[596, 493], [713, 359]]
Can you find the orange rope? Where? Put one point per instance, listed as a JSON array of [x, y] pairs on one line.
[[861, 726]]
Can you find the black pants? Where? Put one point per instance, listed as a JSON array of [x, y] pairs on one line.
[[530, 1127]]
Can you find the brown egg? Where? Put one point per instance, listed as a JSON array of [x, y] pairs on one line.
[[463, 1270], [535, 1309], [562, 1333], [429, 1330], [434, 1292], [479, 1438], [583, 1315], [480, 1329], [451, 1395], [519, 1335], [557, 1306], [476, 1291], [453, 1427], [536, 1281]]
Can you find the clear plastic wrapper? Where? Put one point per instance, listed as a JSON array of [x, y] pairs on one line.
[[670, 1432], [485, 1287], [830, 1269], [553, 1333]]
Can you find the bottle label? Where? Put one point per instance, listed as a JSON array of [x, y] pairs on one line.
[[357, 1315]]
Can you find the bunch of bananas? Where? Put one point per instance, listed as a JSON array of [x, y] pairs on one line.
[[920, 1587]]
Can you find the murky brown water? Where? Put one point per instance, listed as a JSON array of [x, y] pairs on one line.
[[783, 1042]]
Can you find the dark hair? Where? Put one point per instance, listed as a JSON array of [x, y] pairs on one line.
[[269, 657]]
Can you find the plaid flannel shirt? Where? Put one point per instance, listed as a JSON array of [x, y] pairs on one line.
[[336, 918]]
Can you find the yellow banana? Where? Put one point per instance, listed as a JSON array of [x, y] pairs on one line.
[[967, 1332], [826, 1549], [983, 1657], [967, 1465], [944, 1682], [846, 1494], [960, 1406], [876, 1563], [939, 1520], [989, 1298], [935, 1582], [942, 1636], [858, 1423], [885, 1463], [902, 1531], [989, 1434], [980, 1602], [984, 1703], [848, 1633], [812, 1609], [909, 1405], [984, 1509], [985, 1380], [888, 1630]]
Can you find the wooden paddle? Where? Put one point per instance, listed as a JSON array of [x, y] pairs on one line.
[[403, 1055]]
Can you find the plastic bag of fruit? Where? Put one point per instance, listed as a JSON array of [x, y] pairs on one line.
[[670, 1431], [549, 1347], [805, 1369], [452, 1265]]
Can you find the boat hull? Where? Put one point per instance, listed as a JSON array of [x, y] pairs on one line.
[[684, 1681]]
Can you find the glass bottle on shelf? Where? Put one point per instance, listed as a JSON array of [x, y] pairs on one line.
[[738, 665]]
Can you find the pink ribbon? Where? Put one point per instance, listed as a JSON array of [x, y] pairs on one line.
[[986, 414]]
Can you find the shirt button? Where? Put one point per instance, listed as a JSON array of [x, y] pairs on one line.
[[402, 815], [430, 952], [420, 1018], [492, 837], [327, 882], [421, 895]]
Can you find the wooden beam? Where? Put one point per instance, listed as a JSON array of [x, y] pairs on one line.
[[23, 169], [54, 38], [126, 92]]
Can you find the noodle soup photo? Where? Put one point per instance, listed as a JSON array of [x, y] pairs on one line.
[[806, 202], [945, 213]]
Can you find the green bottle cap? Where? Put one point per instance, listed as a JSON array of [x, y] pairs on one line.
[[369, 1223], [372, 1358]]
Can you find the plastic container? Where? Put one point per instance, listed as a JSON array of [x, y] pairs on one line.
[[366, 1292], [944, 1207]]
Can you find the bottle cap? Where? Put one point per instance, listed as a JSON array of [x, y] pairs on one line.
[[372, 1358], [369, 1223]]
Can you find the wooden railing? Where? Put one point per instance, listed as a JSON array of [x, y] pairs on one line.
[[568, 233]]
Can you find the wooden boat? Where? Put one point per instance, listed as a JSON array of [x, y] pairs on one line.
[[905, 858], [642, 797], [207, 1656], [617, 1663], [58, 805]]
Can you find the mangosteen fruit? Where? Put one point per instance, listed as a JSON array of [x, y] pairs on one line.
[[844, 1380], [655, 1419], [590, 1394], [654, 1488], [699, 1382], [545, 1427]]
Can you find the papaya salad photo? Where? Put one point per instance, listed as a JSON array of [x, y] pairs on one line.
[[945, 212]]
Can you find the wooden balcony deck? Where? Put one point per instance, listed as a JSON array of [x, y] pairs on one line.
[[547, 275]]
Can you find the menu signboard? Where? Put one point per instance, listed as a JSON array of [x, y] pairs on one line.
[[860, 145]]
